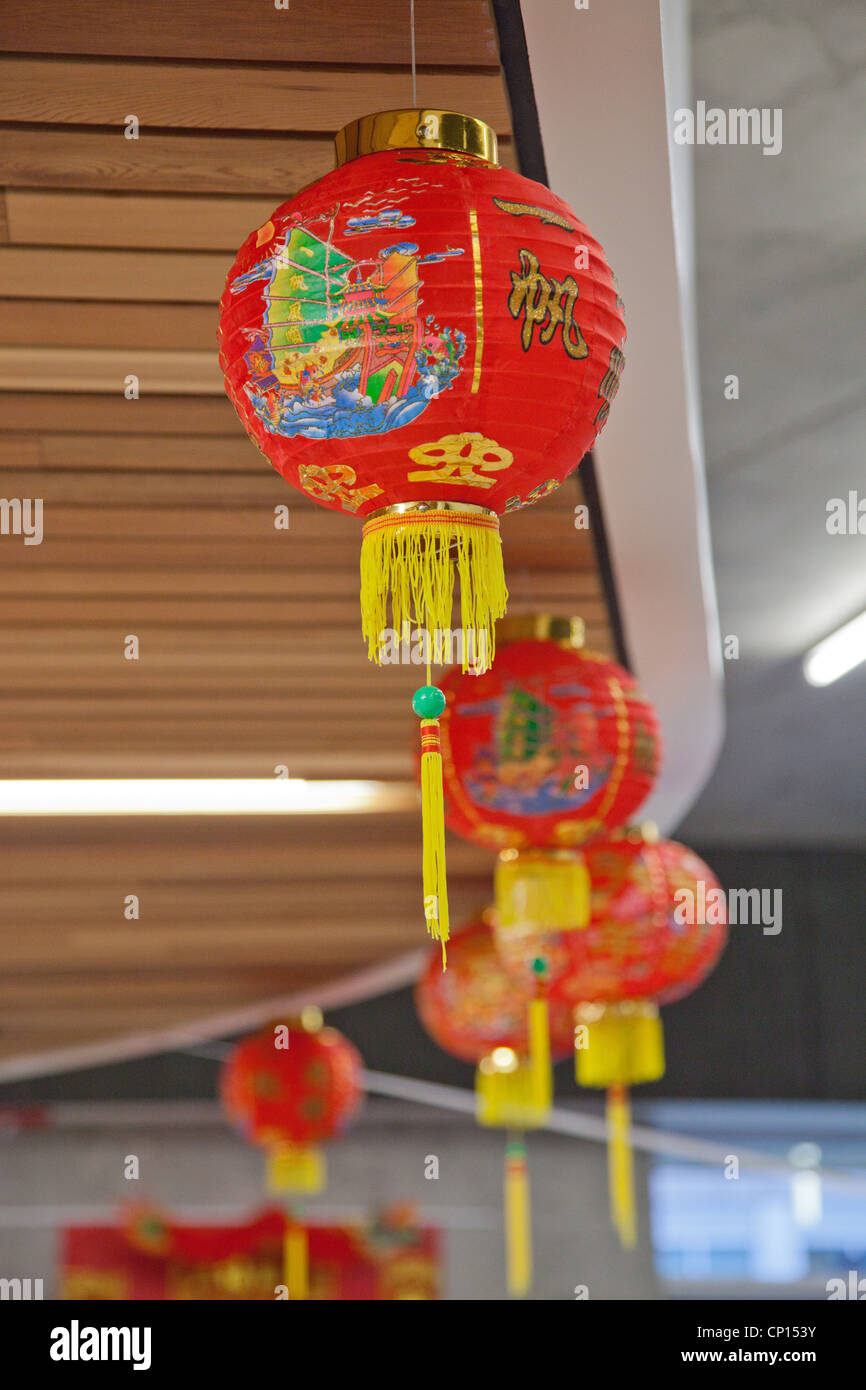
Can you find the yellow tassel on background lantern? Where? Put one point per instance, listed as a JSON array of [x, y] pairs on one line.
[[409, 552], [618, 1043], [518, 1222], [296, 1261], [517, 1093], [295, 1168], [620, 1166], [541, 890], [617, 1046]]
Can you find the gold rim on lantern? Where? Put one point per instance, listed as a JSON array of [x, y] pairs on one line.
[[402, 508], [423, 128], [541, 627]]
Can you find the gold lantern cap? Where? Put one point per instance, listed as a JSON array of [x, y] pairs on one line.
[[541, 627], [423, 128]]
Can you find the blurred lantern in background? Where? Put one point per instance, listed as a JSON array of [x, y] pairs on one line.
[[289, 1088], [657, 928], [550, 749], [423, 340], [480, 1014]]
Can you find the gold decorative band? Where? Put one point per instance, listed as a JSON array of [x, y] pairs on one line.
[[422, 128], [435, 514], [427, 511], [541, 627]]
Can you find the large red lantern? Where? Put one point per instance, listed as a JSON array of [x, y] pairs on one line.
[[551, 748], [287, 1089], [657, 927], [423, 340]]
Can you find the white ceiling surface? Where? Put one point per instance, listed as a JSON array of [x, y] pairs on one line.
[[600, 91], [781, 262]]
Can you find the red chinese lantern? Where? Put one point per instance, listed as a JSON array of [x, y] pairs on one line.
[[657, 927], [549, 749], [289, 1088], [477, 1012], [423, 340]]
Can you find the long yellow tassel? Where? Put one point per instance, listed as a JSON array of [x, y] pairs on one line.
[[620, 1166], [410, 557], [518, 1221], [617, 1046], [296, 1261], [435, 884], [539, 1056]]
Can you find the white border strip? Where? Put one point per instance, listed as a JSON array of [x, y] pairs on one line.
[[351, 989]]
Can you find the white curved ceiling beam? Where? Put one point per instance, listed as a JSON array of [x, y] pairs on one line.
[[599, 87]]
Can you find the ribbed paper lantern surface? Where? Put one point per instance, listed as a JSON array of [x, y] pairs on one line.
[[423, 340], [550, 748], [475, 1005], [657, 927], [287, 1089]]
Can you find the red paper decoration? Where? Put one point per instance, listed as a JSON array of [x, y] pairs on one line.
[[301, 1094], [475, 1006], [657, 928], [550, 748], [422, 329], [404, 387]]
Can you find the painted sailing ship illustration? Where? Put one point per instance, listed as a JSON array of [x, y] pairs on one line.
[[342, 348], [528, 765]]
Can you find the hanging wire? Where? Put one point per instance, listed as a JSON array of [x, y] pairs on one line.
[[412, 35]]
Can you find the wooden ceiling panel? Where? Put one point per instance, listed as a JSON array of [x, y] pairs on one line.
[[236, 97], [159, 518], [456, 33]]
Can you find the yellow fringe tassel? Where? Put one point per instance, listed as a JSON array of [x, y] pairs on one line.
[[295, 1168], [620, 1167], [513, 1092], [541, 890], [296, 1262], [433, 831], [518, 1221], [411, 557], [618, 1043]]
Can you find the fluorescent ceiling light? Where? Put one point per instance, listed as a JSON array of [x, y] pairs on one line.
[[200, 796], [837, 654]]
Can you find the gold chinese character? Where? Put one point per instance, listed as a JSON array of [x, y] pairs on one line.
[[548, 304], [460, 460]]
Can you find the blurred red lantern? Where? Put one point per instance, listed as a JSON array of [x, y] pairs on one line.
[[424, 340], [475, 1006], [287, 1089], [657, 927], [549, 749]]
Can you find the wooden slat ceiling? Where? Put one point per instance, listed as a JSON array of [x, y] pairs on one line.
[[159, 516]]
